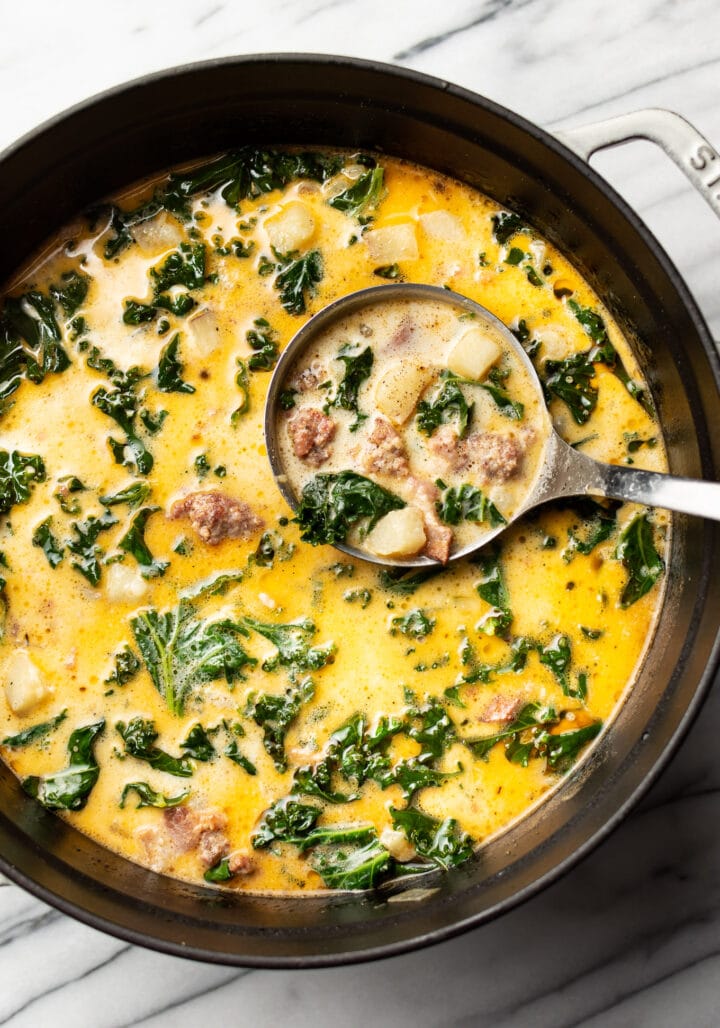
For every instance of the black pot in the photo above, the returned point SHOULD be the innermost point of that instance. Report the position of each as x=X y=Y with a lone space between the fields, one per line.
x=190 y=112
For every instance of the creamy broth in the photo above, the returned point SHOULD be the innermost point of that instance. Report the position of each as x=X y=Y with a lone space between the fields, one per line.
x=188 y=681
x=456 y=429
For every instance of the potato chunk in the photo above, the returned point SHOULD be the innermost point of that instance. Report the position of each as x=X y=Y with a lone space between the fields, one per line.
x=203 y=332
x=443 y=225
x=401 y=533
x=291 y=229
x=25 y=686
x=394 y=243
x=397 y=392
x=473 y=354
x=158 y=234
x=123 y=584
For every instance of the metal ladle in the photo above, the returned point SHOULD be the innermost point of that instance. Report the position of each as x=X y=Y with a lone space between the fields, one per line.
x=565 y=471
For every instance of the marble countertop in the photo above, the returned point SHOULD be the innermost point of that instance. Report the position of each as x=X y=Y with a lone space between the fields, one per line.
x=632 y=935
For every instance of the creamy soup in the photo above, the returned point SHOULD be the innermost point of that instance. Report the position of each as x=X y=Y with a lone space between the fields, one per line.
x=184 y=677
x=425 y=413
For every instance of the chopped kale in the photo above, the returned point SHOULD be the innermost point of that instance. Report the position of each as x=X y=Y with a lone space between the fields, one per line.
x=30 y=341
x=493 y=590
x=448 y=403
x=442 y=842
x=293 y=645
x=288 y=820
x=274 y=714
x=272 y=547
x=134 y=495
x=262 y=340
x=133 y=542
x=332 y=503
x=126 y=667
x=468 y=503
x=181 y=651
x=148 y=797
x=297 y=276
x=198 y=744
x=139 y=736
x=402 y=583
x=636 y=550
x=33 y=734
x=356 y=868
x=84 y=545
x=51 y=547
x=358 y=367
x=242 y=381
x=71 y=293
x=557 y=656
x=529 y=736
x=19 y=473
x=571 y=381
x=170 y=369
x=232 y=751
x=69 y=789
x=122 y=405
x=415 y=625
x=68 y=485
x=363 y=194
x=505 y=226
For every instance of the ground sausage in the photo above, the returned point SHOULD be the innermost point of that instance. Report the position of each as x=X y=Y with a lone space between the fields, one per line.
x=438 y=536
x=215 y=516
x=201 y=830
x=384 y=452
x=501 y=708
x=310 y=432
x=494 y=456
x=241 y=863
x=310 y=377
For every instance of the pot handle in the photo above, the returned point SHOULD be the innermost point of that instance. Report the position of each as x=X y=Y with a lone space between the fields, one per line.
x=690 y=150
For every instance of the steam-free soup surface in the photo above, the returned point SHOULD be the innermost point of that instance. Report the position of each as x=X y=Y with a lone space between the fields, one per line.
x=188 y=680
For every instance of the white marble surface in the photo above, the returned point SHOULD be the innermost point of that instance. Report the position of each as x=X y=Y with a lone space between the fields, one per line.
x=632 y=936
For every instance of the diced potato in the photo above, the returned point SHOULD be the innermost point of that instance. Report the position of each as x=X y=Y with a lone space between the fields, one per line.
x=443 y=225
x=397 y=392
x=291 y=229
x=203 y=332
x=124 y=584
x=25 y=686
x=397 y=845
x=158 y=234
x=473 y=354
x=401 y=533
x=394 y=243
x=555 y=343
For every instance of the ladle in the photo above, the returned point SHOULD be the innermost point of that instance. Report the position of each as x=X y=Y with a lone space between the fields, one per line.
x=565 y=471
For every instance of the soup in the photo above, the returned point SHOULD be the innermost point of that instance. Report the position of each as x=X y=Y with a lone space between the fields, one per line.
x=184 y=677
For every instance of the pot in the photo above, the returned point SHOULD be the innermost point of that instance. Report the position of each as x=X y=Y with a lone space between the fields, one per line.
x=147 y=125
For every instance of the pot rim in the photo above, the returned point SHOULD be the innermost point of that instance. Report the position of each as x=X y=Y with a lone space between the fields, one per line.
x=448 y=931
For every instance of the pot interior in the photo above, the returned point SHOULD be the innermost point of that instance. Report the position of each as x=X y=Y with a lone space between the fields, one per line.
x=177 y=116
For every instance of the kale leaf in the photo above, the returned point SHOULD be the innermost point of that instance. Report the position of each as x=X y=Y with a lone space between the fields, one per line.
x=139 y=736
x=275 y=713
x=332 y=503
x=506 y=225
x=19 y=473
x=296 y=277
x=51 y=547
x=170 y=368
x=493 y=590
x=34 y=733
x=287 y=820
x=356 y=868
x=133 y=542
x=447 y=404
x=30 y=341
x=468 y=503
x=416 y=624
x=402 y=583
x=198 y=744
x=571 y=381
x=364 y=193
x=71 y=293
x=122 y=405
x=262 y=340
x=636 y=549
x=134 y=495
x=126 y=666
x=293 y=645
x=70 y=789
x=442 y=842
x=182 y=651
x=84 y=545
x=528 y=736
x=148 y=797
x=358 y=367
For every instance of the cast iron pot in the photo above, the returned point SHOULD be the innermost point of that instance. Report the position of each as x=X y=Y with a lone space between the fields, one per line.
x=195 y=111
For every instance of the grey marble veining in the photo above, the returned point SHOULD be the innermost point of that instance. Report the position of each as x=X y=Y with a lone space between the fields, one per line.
x=631 y=936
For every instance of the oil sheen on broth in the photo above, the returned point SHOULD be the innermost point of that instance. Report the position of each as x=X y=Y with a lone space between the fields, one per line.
x=189 y=680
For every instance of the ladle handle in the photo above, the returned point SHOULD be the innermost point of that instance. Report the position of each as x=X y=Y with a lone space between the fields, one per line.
x=575 y=474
